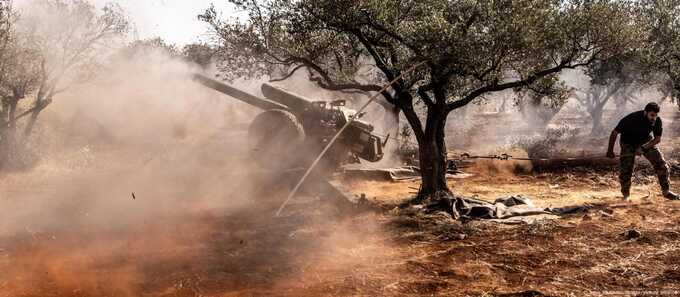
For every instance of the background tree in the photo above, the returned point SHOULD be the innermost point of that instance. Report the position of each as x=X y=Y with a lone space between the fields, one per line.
x=70 y=36
x=613 y=81
x=145 y=46
x=539 y=107
x=6 y=15
x=660 y=53
x=21 y=77
x=49 y=47
x=470 y=49
x=201 y=54
x=6 y=19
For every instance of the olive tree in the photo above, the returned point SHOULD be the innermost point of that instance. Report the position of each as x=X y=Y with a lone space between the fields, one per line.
x=201 y=54
x=6 y=16
x=69 y=36
x=6 y=19
x=469 y=49
x=145 y=46
x=614 y=81
x=46 y=48
x=21 y=77
x=539 y=108
x=660 y=53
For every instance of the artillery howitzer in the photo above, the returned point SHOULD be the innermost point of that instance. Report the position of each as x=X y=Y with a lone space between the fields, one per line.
x=292 y=130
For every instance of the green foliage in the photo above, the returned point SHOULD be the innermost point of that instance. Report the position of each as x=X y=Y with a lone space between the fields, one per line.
x=468 y=43
x=144 y=46
x=471 y=47
x=21 y=69
x=200 y=54
x=5 y=18
x=660 y=51
x=614 y=80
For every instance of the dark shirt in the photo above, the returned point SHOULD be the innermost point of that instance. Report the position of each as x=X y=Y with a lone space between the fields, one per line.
x=635 y=128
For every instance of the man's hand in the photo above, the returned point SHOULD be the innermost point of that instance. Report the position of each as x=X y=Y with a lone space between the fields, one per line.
x=652 y=143
x=610 y=154
x=610 y=147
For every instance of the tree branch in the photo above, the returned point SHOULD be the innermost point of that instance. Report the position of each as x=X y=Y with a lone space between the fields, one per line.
x=515 y=84
x=422 y=93
x=287 y=76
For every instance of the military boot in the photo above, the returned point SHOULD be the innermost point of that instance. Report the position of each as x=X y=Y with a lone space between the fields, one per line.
x=625 y=195
x=671 y=196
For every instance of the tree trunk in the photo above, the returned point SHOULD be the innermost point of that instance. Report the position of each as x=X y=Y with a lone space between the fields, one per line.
x=11 y=118
x=432 y=155
x=393 y=121
x=4 y=116
x=8 y=131
x=31 y=123
x=596 y=114
x=40 y=104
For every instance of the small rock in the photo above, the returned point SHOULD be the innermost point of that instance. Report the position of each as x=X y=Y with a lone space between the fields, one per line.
x=607 y=213
x=460 y=236
x=441 y=216
x=632 y=234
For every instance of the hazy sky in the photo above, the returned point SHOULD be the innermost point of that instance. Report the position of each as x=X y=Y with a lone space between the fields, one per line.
x=173 y=20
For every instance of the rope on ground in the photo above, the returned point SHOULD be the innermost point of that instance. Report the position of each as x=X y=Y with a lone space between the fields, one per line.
x=506 y=157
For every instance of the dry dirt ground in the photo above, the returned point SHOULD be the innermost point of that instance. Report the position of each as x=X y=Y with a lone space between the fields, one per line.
x=316 y=250
x=169 y=222
x=579 y=255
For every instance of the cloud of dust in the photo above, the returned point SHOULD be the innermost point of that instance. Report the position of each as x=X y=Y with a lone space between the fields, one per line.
x=145 y=187
x=502 y=168
x=127 y=162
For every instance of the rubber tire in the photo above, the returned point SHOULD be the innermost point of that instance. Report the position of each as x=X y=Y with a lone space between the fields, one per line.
x=276 y=138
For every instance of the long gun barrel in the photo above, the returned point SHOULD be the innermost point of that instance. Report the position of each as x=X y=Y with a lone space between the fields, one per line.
x=238 y=94
x=294 y=101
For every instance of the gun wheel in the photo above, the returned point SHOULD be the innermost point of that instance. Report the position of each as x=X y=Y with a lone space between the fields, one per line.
x=276 y=138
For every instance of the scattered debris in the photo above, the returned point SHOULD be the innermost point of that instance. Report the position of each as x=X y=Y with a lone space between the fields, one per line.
x=607 y=213
x=531 y=293
x=675 y=169
x=572 y=209
x=632 y=234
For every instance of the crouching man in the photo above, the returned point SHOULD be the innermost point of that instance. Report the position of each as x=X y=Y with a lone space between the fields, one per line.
x=636 y=131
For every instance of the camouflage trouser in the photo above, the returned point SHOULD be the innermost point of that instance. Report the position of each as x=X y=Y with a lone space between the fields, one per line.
x=654 y=156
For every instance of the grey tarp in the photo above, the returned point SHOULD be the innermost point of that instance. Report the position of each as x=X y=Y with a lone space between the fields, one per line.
x=506 y=208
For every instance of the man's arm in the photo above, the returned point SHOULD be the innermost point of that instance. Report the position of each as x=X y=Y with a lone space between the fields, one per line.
x=612 y=141
x=652 y=143
x=658 y=131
